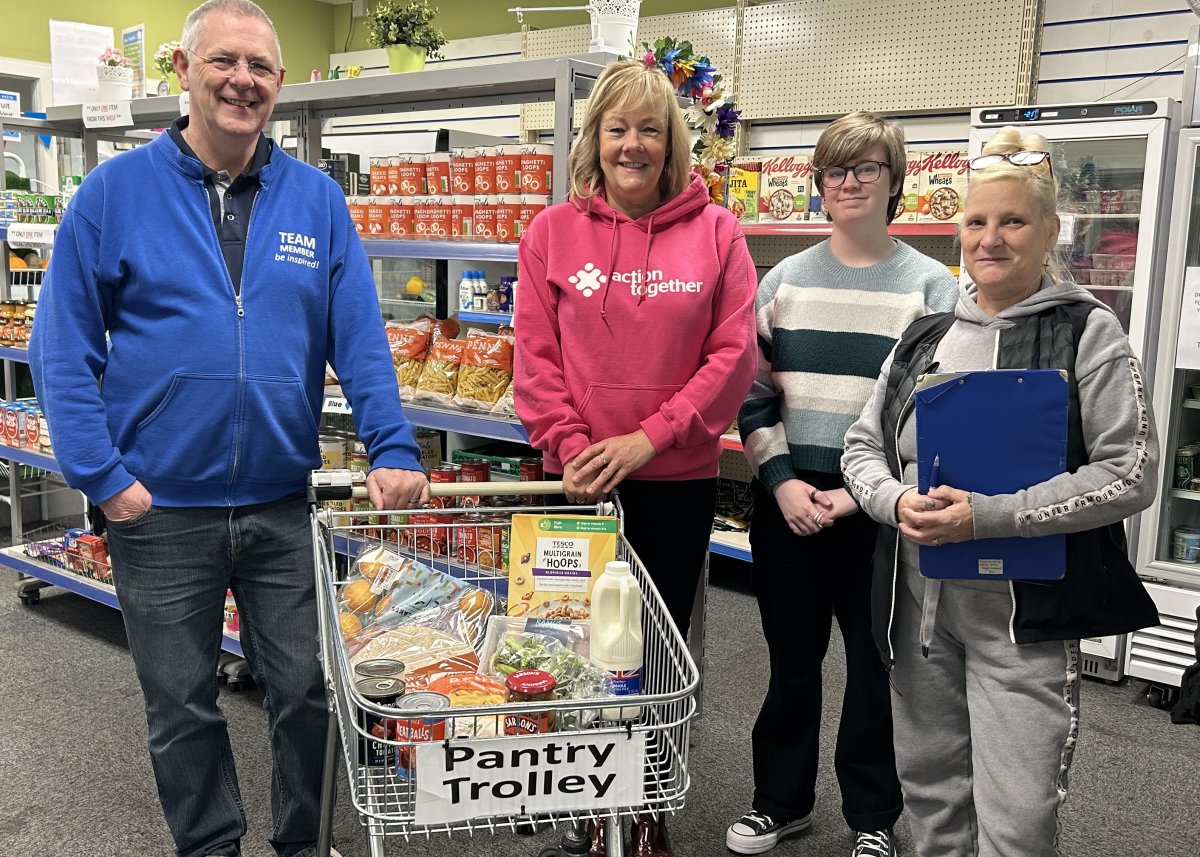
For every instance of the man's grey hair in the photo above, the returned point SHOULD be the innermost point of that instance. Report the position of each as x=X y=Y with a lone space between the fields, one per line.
x=195 y=21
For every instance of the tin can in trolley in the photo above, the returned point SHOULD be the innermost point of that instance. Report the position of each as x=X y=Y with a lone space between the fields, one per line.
x=474 y=471
x=429 y=727
x=466 y=538
x=373 y=749
x=1185 y=465
x=379 y=668
x=530 y=470
x=441 y=475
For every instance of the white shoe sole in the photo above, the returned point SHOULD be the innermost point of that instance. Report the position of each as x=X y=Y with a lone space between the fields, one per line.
x=741 y=844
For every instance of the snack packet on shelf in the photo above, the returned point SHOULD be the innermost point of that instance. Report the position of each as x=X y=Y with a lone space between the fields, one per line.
x=486 y=370
x=439 y=376
x=409 y=344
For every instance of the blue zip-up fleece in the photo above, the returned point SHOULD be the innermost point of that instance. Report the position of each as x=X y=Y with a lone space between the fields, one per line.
x=206 y=401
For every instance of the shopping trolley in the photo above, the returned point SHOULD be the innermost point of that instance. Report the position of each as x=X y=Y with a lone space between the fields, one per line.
x=453 y=780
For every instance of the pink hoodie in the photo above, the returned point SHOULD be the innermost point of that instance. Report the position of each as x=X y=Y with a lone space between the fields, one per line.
x=624 y=323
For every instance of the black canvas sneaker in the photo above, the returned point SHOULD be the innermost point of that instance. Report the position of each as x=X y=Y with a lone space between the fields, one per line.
x=876 y=843
x=755 y=832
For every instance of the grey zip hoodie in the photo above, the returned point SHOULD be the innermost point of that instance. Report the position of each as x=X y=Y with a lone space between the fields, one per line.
x=1120 y=478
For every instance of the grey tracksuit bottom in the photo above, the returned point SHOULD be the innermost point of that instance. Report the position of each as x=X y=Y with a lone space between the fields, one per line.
x=984 y=728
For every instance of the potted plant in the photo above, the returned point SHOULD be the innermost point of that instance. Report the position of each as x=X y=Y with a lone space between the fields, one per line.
x=405 y=30
x=164 y=62
x=115 y=76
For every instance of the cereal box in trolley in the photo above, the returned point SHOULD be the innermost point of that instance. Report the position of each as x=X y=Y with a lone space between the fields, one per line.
x=553 y=562
x=943 y=186
x=784 y=186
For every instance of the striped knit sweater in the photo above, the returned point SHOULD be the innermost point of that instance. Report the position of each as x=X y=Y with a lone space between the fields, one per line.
x=824 y=330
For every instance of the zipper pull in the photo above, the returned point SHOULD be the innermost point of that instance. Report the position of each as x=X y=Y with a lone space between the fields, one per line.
x=241 y=311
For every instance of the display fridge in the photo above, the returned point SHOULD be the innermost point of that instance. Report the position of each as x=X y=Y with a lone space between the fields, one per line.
x=1112 y=161
x=1169 y=555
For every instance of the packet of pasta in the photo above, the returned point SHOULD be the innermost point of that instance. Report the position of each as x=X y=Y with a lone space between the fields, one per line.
x=487 y=369
x=408 y=342
x=439 y=377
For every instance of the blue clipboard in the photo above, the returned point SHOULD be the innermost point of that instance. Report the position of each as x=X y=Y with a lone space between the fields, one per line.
x=993 y=432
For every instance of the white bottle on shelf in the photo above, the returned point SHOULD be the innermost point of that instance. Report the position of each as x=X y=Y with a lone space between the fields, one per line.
x=466 y=292
x=616 y=645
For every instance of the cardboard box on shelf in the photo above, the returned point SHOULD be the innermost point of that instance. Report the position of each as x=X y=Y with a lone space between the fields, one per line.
x=908 y=209
x=784 y=187
x=744 y=177
x=943 y=188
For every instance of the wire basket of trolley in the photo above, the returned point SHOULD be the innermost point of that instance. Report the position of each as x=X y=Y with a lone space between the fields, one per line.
x=482 y=658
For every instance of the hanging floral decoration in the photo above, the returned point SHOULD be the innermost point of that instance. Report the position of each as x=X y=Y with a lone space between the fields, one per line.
x=711 y=112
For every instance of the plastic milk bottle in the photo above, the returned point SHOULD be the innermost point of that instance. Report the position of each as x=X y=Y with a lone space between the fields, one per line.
x=617 y=634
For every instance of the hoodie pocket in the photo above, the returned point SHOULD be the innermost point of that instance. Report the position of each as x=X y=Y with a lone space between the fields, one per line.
x=186 y=438
x=280 y=440
x=616 y=409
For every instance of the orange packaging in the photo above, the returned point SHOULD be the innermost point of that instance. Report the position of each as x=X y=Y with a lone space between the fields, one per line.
x=508 y=212
x=412 y=175
x=393 y=176
x=439 y=216
x=907 y=209
x=943 y=186
x=531 y=204
x=462 y=171
x=400 y=218
x=485 y=217
x=462 y=216
x=379 y=176
x=437 y=172
x=485 y=169
x=537 y=168
x=508 y=169
x=377 y=219
x=358 y=214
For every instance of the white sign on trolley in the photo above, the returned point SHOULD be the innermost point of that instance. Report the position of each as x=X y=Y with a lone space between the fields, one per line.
x=556 y=772
x=1188 y=351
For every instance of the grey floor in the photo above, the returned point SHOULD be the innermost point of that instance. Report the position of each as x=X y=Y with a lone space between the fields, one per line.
x=75 y=780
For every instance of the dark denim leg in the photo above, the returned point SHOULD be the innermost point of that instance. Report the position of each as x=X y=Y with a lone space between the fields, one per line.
x=276 y=595
x=172 y=569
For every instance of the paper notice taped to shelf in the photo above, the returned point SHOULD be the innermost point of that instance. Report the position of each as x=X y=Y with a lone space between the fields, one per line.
x=107 y=114
x=1066 y=230
x=31 y=234
x=1187 y=355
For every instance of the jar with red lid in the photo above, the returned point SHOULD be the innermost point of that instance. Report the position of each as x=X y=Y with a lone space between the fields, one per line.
x=530 y=686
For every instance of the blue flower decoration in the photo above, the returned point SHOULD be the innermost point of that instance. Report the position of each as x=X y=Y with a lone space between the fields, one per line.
x=727 y=121
x=704 y=72
x=668 y=61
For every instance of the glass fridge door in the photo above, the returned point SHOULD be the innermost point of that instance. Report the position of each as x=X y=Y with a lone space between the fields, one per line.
x=1169 y=549
x=1110 y=177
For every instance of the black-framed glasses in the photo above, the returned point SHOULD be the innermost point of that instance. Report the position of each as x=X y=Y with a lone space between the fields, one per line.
x=866 y=173
x=229 y=65
x=1021 y=158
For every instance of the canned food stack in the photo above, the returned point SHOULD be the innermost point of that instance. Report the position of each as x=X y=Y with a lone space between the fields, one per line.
x=25 y=426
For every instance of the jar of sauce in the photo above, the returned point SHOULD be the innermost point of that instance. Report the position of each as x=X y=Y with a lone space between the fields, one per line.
x=530 y=686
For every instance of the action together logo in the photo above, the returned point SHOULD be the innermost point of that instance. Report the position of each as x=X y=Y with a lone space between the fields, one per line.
x=588 y=280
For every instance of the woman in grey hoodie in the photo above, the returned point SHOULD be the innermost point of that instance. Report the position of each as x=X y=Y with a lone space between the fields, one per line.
x=985 y=673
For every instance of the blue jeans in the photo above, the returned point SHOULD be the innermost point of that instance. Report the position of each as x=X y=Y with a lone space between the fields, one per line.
x=171 y=568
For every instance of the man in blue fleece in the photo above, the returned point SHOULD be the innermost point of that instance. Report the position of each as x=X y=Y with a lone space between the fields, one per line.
x=223 y=274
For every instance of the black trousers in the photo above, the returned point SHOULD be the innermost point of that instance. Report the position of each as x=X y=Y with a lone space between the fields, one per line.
x=668 y=523
x=802 y=582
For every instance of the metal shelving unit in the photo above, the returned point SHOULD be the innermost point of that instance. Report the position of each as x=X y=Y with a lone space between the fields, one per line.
x=474 y=251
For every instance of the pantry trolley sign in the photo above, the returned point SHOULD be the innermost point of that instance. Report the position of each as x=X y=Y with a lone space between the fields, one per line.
x=559 y=772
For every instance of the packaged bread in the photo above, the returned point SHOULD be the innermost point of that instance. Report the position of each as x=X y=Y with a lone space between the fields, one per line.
x=486 y=371
x=409 y=343
x=439 y=376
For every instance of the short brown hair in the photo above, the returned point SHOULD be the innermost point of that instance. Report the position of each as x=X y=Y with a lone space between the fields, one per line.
x=852 y=135
x=630 y=84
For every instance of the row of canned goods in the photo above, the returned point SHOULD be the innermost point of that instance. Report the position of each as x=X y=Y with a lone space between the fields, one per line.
x=510 y=168
x=503 y=217
x=25 y=426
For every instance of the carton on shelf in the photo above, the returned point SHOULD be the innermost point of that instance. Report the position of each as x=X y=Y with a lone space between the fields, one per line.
x=943 y=176
x=784 y=187
x=744 y=177
x=908 y=208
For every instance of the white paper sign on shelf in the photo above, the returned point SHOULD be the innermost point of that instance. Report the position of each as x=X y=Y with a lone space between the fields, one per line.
x=10 y=104
x=107 y=114
x=556 y=772
x=335 y=405
x=31 y=234
x=1066 y=231
x=1187 y=355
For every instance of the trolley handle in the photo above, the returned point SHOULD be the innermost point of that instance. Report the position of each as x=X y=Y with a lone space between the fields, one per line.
x=350 y=484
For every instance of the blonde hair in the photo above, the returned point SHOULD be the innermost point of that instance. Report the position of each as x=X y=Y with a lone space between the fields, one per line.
x=629 y=85
x=1037 y=179
x=851 y=136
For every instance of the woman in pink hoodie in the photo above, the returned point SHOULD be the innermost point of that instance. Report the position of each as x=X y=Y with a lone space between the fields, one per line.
x=635 y=328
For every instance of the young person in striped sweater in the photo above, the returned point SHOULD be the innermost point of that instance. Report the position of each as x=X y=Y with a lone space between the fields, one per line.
x=827 y=318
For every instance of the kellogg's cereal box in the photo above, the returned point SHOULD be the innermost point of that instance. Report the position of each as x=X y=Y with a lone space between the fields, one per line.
x=784 y=187
x=943 y=188
x=908 y=208
x=744 y=178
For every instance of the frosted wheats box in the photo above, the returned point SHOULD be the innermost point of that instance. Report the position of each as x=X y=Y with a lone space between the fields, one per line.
x=784 y=186
x=943 y=176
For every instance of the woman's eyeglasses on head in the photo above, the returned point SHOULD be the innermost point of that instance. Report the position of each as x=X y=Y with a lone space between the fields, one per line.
x=1021 y=158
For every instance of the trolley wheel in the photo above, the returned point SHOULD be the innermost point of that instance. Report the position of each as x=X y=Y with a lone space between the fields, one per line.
x=1162 y=696
x=30 y=598
x=236 y=685
x=552 y=851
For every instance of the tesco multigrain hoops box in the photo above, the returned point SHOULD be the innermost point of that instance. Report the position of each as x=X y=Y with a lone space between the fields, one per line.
x=943 y=189
x=784 y=185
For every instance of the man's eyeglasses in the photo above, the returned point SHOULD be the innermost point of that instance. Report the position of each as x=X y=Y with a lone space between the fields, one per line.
x=866 y=172
x=1022 y=158
x=229 y=65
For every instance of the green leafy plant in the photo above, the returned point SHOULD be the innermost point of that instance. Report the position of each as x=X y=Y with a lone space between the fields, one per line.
x=405 y=22
x=164 y=58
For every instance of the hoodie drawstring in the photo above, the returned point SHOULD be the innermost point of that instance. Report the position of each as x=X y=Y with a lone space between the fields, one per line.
x=612 y=261
x=646 y=260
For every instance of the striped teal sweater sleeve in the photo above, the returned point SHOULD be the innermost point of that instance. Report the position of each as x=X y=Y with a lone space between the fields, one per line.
x=824 y=330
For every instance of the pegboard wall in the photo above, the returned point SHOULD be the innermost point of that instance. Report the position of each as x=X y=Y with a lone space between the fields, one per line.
x=769 y=250
x=828 y=57
x=712 y=32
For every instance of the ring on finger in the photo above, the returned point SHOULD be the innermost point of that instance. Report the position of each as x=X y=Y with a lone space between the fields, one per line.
x=937 y=543
x=604 y=461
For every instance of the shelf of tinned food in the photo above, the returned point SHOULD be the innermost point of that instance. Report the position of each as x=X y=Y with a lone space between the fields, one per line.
x=15 y=559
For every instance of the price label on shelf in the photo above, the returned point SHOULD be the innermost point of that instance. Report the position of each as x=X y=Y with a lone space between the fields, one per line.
x=31 y=234
x=335 y=405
